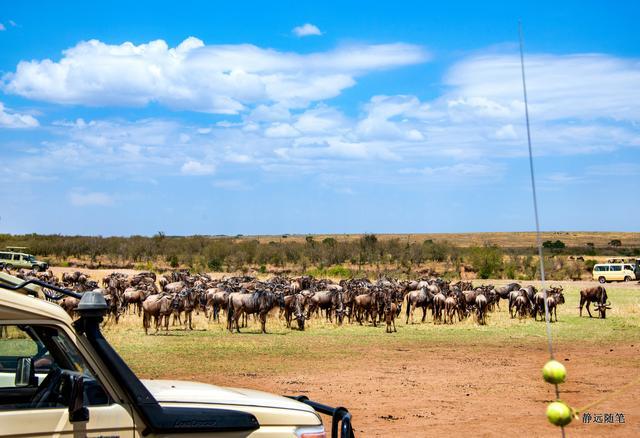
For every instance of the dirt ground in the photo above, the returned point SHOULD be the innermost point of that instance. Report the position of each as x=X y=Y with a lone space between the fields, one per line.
x=479 y=392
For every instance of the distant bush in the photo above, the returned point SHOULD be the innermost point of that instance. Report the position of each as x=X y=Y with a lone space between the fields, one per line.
x=486 y=260
x=557 y=245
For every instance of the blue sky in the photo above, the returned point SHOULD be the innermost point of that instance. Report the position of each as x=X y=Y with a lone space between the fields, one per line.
x=266 y=118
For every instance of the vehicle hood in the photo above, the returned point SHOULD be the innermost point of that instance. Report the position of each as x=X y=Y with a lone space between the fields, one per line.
x=176 y=391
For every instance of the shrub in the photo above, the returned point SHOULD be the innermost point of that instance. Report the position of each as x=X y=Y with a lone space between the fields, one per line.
x=486 y=260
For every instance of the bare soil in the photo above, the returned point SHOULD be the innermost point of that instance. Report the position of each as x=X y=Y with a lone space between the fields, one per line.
x=480 y=391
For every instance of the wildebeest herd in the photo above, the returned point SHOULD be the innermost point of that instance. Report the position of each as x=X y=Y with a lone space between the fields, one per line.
x=175 y=296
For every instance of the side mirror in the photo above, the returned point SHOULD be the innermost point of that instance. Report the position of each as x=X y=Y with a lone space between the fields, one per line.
x=25 y=373
x=77 y=411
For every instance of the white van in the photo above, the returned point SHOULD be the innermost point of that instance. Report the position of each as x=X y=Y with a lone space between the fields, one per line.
x=605 y=272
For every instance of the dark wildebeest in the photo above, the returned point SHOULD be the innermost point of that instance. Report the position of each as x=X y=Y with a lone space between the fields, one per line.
x=597 y=295
x=390 y=313
x=521 y=306
x=294 y=307
x=481 y=309
x=552 y=304
x=330 y=301
x=422 y=298
x=503 y=291
x=438 y=307
x=450 y=308
x=259 y=303
x=217 y=299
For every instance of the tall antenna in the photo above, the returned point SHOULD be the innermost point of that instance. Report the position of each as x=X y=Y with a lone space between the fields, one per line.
x=535 y=206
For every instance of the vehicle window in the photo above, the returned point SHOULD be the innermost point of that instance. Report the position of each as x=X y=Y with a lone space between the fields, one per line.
x=16 y=257
x=616 y=268
x=55 y=359
x=4 y=256
x=628 y=268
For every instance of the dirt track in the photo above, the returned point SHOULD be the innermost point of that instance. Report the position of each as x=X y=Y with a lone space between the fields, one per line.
x=481 y=391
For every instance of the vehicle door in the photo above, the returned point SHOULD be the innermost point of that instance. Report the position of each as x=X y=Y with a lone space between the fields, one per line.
x=615 y=273
x=37 y=366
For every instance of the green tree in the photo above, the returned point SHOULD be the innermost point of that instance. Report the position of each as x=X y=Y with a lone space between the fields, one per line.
x=486 y=260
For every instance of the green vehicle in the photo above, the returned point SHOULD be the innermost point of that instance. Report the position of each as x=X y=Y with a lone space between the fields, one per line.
x=13 y=257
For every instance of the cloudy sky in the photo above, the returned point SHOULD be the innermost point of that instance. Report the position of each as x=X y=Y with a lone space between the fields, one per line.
x=265 y=118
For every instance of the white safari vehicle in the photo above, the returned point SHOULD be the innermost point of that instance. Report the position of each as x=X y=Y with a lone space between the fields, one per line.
x=60 y=377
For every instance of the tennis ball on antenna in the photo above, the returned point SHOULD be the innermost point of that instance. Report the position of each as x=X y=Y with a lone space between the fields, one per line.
x=559 y=413
x=554 y=372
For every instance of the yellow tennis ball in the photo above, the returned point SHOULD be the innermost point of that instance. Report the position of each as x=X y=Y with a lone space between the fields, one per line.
x=559 y=413
x=554 y=372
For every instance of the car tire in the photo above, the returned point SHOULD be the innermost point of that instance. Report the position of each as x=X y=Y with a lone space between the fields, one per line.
x=602 y=280
x=8 y=266
x=627 y=279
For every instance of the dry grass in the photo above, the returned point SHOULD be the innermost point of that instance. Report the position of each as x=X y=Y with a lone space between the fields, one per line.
x=502 y=239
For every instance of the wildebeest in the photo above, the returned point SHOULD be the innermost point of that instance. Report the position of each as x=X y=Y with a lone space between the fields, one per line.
x=552 y=304
x=503 y=291
x=390 y=313
x=481 y=309
x=422 y=298
x=597 y=295
x=330 y=301
x=521 y=306
x=156 y=307
x=450 y=308
x=259 y=302
x=438 y=307
x=294 y=307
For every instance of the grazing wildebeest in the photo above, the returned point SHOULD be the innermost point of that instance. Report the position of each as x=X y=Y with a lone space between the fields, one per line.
x=597 y=295
x=259 y=302
x=294 y=307
x=157 y=307
x=481 y=309
x=418 y=298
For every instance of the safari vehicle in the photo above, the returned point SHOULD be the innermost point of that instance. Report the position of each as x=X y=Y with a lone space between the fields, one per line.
x=59 y=376
x=13 y=258
x=604 y=272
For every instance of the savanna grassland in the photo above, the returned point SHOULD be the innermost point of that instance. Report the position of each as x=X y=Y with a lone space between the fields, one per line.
x=424 y=380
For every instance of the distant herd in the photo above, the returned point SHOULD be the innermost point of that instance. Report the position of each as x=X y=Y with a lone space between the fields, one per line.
x=176 y=295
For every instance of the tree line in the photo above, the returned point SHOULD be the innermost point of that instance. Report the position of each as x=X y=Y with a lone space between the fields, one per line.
x=336 y=256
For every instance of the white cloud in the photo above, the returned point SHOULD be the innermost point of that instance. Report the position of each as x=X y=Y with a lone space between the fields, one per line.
x=220 y=79
x=11 y=119
x=83 y=199
x=197 y=168
x=306 y=29
x=584 y=86
x=281 y=130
